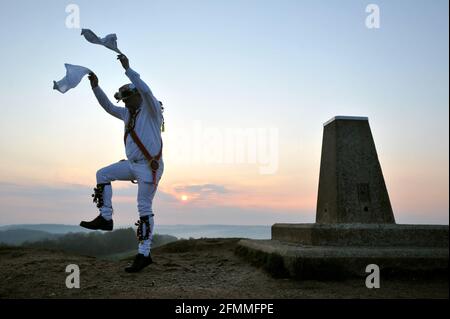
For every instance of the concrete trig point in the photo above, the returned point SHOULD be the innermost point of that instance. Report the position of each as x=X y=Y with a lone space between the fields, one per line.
x=355 y=225
x=351 y=184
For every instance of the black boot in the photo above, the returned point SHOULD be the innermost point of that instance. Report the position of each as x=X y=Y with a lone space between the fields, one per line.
x=140 y=262
x=99 y=223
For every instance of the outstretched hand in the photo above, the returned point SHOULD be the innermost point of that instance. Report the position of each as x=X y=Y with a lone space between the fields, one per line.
x=94 y=79
x=124 y=60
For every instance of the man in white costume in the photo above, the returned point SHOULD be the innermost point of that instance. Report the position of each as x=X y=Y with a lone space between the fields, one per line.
x=142 y=116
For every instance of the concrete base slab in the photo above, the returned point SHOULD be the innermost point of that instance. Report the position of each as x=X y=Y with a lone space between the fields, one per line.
x=328 y=262
x=373 y=235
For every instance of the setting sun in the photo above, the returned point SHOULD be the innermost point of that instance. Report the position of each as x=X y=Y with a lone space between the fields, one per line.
x=184 y=198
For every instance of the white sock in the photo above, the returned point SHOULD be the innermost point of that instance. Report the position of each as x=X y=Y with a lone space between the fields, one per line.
x=106 y=214
x=144 y=247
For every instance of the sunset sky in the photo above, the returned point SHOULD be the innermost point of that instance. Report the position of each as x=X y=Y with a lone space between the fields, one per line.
x=246 y=85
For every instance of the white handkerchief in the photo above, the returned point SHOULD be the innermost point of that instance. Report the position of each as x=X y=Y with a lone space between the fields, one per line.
x=74 y=74
x=110 y=41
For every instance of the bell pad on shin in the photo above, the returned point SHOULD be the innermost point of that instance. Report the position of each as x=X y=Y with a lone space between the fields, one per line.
x=98 y=194
x=143 y=230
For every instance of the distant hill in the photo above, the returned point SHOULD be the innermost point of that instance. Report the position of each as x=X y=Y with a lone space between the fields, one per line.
x=84 y=243
x=49 y=228
x=19 y=236
x=98 y=243
x=179 y=231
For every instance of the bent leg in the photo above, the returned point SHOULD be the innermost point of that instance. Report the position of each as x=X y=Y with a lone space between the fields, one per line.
x=120 y=171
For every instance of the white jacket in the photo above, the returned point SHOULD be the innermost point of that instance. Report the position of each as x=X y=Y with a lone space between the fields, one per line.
x=147 y=127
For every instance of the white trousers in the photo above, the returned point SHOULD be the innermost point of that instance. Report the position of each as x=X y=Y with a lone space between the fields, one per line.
x=128 y=171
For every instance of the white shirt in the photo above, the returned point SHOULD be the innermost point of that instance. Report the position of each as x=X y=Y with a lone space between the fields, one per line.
x=148 y=121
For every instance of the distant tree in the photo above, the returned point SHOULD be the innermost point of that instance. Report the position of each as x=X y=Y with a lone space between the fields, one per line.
x=97 y=243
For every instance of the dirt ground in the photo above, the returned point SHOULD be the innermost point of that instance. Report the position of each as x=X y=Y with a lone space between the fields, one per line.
x=202 y=268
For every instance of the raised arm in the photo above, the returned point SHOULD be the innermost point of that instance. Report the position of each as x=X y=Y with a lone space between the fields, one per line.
x=142 y=87
x=103 y=100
